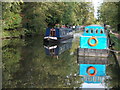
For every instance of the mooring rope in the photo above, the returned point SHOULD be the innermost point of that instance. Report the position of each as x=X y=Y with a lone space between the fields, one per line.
x=114 y=51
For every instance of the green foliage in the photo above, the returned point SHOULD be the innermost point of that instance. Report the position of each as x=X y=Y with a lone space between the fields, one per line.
x=36 y=16
x=11 y=55
x=109 y=14
x=116 y=41
x=13 y=33
x=11 y=20
x=11 y=15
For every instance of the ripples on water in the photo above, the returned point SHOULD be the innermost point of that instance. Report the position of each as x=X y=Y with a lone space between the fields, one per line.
x=28 y=63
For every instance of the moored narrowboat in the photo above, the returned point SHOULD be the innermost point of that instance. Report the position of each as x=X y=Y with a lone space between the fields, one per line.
x=58 y=34
x=94 y=41
x=79 y=28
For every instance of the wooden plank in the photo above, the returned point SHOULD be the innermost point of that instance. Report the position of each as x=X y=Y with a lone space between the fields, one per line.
x=93 y=52
x=92 y=60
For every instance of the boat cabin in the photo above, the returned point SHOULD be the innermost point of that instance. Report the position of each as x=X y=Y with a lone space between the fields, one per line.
x=55 y=34
x=94 y=30
x=94 y=37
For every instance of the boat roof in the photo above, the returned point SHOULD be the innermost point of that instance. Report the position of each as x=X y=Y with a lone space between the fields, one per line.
x=94 y=30
x=95 y=26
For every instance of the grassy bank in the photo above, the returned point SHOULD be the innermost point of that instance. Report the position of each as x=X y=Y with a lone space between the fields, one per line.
x=116 y=41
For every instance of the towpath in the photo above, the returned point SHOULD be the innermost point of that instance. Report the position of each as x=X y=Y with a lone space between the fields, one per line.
x=117 y=55
x=116 y=34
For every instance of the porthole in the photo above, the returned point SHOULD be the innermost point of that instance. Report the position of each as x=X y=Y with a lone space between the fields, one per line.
x=86 y=30
x=101 y=31
x=91 y=30
x=96 y=30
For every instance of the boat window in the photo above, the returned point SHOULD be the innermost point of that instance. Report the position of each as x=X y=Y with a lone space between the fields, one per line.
x=52 y=32
x=91 y=30
x=86 y=30
x=101 y=31
x=96 y=30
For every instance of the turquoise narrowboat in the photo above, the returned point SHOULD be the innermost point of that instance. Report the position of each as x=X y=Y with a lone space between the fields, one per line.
x=58 y=34
x=94 y=41
x=94 y=37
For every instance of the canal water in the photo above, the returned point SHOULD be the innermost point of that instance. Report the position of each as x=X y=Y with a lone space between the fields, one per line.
x=30 y=63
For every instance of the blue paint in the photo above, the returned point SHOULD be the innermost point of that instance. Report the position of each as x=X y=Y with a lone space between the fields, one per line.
x=47 y=32
x=57 y=49
x=101 y=69
x=49 y=52
x=102 y=42
x=91 y=71
x=96 y=31
x=99 y=33
x=59 y=32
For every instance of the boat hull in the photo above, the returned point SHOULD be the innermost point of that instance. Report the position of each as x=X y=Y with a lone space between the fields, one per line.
x=93 y=52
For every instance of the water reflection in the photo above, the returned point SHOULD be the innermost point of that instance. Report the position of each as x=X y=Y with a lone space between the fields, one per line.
x=92 y=71
x=26 y=64
x=113 y=70
x=99 y=76
x=55 y=50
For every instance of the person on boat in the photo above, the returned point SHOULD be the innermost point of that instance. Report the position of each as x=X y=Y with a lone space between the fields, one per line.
x=105 y=26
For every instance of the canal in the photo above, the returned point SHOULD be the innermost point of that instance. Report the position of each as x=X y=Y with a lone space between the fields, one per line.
x=29 y=63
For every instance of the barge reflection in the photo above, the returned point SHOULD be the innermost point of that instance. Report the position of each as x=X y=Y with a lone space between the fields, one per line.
x=55 y=49
x=92 y=70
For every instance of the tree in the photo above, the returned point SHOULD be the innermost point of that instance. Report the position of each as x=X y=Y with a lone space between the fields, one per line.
x=108 y=13
x=35 y=17
x=11 y=15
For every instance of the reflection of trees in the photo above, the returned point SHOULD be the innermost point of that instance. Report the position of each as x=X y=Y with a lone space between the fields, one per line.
x=73 y=81
x=113 y=72
x=37 y=70
x=11 y=55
